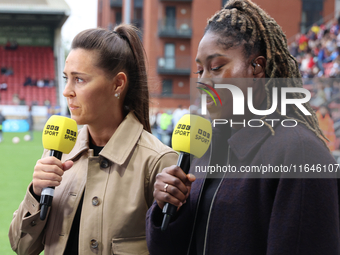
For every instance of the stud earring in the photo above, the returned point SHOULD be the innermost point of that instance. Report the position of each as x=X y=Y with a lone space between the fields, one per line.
x=117 y=95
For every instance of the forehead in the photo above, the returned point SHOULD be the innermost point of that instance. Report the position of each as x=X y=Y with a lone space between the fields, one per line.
x=212 y=44
x=81 y=60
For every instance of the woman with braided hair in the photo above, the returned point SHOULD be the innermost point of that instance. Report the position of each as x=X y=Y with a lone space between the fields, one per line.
x=233 y=212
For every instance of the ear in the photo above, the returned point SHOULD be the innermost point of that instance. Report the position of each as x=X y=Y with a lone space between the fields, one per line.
x=120 y=82
x=259 y=65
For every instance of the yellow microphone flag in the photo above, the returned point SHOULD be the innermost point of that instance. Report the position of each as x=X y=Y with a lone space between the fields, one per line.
x=192 y=135
x=60 y=134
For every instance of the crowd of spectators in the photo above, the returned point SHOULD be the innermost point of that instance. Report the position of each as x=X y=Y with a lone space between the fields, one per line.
x=6 y=71
x=318 y=55
x=317 y=51
x=38 y=82
x=11 y=45
x=164 y=122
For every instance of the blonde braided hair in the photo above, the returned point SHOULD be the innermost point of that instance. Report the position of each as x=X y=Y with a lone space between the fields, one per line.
x=245 y=23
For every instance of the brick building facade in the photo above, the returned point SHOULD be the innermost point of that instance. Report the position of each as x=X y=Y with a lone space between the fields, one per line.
x=172 y=31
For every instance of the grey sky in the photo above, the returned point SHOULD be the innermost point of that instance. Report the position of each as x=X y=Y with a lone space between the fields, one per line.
x=83 y=16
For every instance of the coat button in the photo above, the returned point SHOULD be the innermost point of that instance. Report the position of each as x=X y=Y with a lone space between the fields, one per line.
x=94 y=244
x=33 y=223
x=104 y=163
x=95 y=201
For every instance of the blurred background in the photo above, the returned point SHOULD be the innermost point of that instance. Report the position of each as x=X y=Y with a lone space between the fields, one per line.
x=35 y=38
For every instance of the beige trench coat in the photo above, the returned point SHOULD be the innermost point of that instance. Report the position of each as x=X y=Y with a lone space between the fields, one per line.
x=118 y=193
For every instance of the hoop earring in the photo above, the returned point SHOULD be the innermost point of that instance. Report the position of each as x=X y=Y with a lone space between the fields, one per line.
x=117 y=95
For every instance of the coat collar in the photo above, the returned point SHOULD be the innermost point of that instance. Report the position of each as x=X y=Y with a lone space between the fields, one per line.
x=120 y=144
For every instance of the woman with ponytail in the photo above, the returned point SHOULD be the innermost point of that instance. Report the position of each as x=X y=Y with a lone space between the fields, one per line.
x=100 y=202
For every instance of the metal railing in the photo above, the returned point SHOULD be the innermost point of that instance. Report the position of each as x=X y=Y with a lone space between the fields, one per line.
x=178 y=65
x=175 y=28
x=116 y=3
x=174 y=96
x=177 y=0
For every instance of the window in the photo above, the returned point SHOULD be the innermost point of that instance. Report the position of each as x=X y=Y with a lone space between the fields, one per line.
x=138 y=17
x=169 y=55
x=118 y=17
x=167 y=88
x=311 y=13
x=170 y=21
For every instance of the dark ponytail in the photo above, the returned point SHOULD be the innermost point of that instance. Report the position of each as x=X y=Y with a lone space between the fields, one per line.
x=137 y=96
x=121 y=50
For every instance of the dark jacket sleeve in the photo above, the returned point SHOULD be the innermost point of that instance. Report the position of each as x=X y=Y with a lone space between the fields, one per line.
x=305 y=214
x=174 y=240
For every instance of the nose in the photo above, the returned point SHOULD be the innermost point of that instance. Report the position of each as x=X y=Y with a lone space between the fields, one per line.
x=205 y=75
x=68 y=90
x=205 y=78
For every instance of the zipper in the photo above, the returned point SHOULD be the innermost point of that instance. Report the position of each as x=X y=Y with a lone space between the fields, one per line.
x=198 y=202
x=212 y=202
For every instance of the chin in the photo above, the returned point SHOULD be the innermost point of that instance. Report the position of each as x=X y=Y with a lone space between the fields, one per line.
x=220 y=113
x=77 y=119
x=215 y=114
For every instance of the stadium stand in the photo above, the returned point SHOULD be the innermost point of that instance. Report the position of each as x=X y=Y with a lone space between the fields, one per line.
x=27 y=61
x=317 y=53
x=31 y=53
x=34 y=26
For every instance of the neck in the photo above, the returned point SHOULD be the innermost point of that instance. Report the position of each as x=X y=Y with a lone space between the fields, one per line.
x=101 y=133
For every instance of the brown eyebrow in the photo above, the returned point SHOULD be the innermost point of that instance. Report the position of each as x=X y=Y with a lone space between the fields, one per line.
x=75 y=73
x=211 y=57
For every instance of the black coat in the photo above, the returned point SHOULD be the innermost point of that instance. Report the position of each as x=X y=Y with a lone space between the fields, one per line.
x=271 y=215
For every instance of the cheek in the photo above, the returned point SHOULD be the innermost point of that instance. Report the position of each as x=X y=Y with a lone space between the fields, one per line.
x=103 y=97
x=237 y=70
x=90 y=101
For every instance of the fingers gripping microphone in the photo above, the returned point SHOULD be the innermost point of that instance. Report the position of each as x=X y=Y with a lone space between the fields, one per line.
x=59 y=136
x=191 y=136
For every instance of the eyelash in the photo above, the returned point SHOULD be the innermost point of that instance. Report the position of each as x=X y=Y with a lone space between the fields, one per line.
x=216 y=68
x=212 y=69
x=77 y=79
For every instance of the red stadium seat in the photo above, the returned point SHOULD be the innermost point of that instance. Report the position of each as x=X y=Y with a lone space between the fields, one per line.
x=36 y=62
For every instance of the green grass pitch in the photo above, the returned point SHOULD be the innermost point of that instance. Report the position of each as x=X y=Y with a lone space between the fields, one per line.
x=17 y=162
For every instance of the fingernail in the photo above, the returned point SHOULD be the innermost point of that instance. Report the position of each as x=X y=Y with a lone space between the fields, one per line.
x=184 y=202
x=192 y=176
x=180 y=204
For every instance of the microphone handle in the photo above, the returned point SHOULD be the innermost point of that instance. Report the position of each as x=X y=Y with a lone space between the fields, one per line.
x=169 y=210
x=47 y=193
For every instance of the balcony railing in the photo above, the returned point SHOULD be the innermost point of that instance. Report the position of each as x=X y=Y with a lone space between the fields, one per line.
x=177 y=0
x=174 y=28
x=138 y=3
x=179 y=65
x=174 y=96
x=116 y=3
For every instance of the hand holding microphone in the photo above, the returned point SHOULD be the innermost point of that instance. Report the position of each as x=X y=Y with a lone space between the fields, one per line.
x=191 y=137
x=59 y=136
